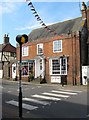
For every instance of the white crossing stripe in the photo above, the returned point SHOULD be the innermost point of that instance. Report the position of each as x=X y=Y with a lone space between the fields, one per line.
x=25 y=106
x=46 y=97
x=8 y=91
x=56 y=95
x=36 y=101
x=39 y=86
x=69 y=90
x=12 y=102
x=68 y=93
x=1 y=86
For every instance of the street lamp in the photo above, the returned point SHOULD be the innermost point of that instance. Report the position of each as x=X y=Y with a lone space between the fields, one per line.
x=21 y=39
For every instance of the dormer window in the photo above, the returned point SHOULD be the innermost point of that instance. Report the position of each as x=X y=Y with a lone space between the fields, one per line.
x=39 y=49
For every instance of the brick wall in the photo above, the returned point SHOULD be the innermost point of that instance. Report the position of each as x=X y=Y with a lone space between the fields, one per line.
x=70 y=47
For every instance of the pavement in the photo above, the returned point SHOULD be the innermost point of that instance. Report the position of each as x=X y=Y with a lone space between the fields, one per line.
x=69 y=86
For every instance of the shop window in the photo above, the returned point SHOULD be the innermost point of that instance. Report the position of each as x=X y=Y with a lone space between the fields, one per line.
x=27 y=68
x=58 y=66
x=55 y=67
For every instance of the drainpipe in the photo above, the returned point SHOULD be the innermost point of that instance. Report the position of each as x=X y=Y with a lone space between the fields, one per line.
x=75 y=82
x=80 y=59
x=72 y=63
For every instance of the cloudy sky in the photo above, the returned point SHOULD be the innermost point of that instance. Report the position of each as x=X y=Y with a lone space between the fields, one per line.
x=17 y=18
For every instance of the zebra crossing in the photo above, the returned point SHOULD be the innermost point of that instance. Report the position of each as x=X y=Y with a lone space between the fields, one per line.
x=25 y=106
x=36 y=101
x=44 y=99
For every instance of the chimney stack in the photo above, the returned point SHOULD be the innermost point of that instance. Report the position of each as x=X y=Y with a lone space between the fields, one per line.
x=6 y=39
x=84 y=8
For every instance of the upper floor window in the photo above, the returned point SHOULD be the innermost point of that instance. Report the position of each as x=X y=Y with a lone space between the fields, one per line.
x=39 y=49
x=13 y=54
x=57 y=46
x=25 y=51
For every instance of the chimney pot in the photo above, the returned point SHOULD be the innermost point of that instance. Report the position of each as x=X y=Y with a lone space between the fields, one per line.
x=84 y=6
x=6 y=39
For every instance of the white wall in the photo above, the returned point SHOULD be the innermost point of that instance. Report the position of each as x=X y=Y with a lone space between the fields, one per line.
x=1 y=73
x=84 y=75
x=13 y=71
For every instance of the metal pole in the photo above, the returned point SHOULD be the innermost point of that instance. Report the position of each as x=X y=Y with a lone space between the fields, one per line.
x=20 y=87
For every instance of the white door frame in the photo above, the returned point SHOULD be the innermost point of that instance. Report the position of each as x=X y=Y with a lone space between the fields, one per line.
x=13 y=70
x=39 y=72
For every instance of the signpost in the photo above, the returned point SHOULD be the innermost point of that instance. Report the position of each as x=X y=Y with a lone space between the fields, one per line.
x=21 y=39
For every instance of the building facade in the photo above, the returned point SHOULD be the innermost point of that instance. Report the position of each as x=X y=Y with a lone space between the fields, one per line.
x=59 y=57
x=7 y=57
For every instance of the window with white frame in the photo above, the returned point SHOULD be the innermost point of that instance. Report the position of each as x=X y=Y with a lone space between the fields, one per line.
x=25 y=51
x=57 y=46
x=63 y=62
x=58 y=66
x=39 y=49
x=55 y=67
x=26 y=68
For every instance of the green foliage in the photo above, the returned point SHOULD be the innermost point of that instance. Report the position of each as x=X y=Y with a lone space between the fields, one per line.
x=31 y=77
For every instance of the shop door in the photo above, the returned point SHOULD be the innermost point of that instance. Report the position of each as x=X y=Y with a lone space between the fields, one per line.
x=13 y=71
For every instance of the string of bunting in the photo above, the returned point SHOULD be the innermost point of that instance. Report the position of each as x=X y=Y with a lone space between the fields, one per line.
x=38 y=17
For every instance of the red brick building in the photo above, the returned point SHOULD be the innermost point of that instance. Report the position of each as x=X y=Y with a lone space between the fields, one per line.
x=57 y=57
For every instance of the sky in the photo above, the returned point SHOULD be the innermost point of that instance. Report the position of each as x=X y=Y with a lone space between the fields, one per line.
x=16 y=18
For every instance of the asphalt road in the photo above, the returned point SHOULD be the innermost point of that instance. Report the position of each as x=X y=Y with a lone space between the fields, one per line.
x=44 y=101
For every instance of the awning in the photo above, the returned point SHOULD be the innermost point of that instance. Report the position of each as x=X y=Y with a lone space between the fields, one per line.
x=30 y=61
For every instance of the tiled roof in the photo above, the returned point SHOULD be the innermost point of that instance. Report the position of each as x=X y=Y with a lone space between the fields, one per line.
x=60 y=28
x=7 y=48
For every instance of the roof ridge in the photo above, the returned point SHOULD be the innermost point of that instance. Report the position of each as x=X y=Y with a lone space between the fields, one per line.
x=60 y=22
x=59 y=27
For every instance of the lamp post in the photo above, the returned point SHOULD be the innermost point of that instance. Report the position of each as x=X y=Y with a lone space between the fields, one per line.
x=21 y=39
